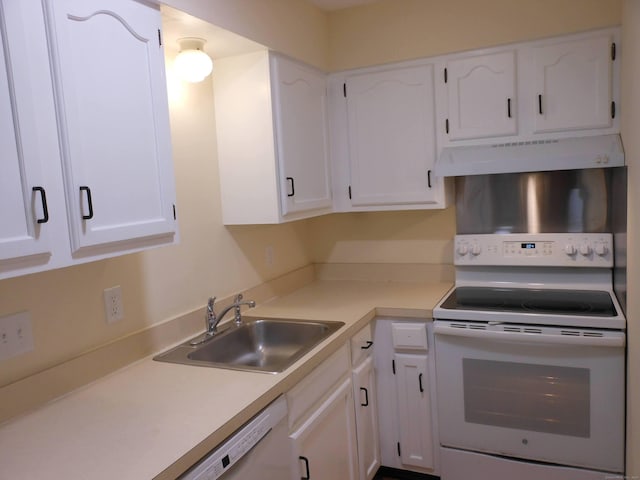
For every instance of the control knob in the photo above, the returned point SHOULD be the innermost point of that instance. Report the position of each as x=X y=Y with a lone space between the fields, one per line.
x=570 y=249
x=585 y=249
x=475 y=249
x=463 y=249
x=601 y=249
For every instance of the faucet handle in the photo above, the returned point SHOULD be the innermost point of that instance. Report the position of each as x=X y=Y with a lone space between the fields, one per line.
x=238 y=298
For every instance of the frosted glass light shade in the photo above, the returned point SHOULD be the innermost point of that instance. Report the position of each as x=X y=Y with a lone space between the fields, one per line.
x=192 y=64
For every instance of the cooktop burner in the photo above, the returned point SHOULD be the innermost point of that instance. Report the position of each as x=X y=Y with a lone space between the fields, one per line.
x=527 y=300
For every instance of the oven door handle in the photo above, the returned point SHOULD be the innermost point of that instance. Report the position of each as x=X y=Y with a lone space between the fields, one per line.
x=610 y=339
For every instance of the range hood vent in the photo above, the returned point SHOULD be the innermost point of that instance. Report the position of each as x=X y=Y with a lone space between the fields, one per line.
x=532 y=156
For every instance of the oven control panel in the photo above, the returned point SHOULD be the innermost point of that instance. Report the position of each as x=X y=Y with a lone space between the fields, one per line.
x=529 y=249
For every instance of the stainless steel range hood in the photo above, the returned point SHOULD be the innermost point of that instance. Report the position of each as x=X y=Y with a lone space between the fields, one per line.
x=533 y=156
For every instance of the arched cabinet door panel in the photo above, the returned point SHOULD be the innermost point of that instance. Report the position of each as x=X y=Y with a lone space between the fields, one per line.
x=113 y=119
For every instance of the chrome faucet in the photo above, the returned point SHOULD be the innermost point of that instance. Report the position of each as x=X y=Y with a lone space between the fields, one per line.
x=212 y=319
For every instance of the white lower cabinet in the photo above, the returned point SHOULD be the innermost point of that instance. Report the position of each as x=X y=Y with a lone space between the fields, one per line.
x=365 y=403
x=364 y=387
x=322 y=425
x=414 y=410
x=325 y=444
x=406 y=395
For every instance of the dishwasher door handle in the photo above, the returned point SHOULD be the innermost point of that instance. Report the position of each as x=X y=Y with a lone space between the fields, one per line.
x=306 y=467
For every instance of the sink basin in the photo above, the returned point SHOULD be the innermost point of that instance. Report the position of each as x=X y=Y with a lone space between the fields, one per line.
x=264 y=345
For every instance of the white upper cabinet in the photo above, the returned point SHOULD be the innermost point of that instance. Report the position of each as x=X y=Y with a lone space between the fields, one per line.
x=546 y=89
x=272 y=139
x=300 y=107
x=84 y=132
x=573 y=84
x=481 y=96
x=24 y=233
x=391 y=137
x=113 y=118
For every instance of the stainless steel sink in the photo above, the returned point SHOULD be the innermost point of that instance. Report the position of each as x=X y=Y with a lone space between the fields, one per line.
x=264 y=345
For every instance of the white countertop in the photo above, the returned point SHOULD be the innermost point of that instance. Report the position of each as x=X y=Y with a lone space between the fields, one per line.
x=154 y=419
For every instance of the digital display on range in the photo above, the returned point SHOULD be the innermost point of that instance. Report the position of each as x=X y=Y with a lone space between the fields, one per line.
x=528 y=245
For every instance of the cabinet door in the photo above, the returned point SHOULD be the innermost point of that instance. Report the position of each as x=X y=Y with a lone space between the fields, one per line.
x=27 y=137
x=573 y=82
x=364 y=388
x=391 y=130
x=300 y=109
x=414 y=410
x=324 y=447
x=113 y=117
x=481 y=96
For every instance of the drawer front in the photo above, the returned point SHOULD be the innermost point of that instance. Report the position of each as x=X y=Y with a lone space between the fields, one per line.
x=410 y=336
x=361 y=345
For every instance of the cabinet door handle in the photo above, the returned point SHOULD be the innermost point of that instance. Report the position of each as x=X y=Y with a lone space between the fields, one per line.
x=420 y=383
x=293 y=187
x=306 y=467
x=89 y=203
x=429 y=178
x=366 y=397
x=509 y=107
x=367 y=346
x=540 y=104
x=43 y=199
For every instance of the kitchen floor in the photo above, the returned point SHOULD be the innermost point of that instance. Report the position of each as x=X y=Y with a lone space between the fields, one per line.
x=386 y=473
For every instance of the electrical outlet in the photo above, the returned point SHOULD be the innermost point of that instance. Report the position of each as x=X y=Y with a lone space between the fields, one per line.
x=16 y=336
x=113 y=307
x=268 y=256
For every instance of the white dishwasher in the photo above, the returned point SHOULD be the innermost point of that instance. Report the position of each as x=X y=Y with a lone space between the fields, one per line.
x=259 y=450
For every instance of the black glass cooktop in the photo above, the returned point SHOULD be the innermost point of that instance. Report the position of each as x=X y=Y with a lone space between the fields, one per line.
x=526 y=300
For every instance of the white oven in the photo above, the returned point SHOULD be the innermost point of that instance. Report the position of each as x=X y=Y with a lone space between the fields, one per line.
x=543 y=393
x=530 y=359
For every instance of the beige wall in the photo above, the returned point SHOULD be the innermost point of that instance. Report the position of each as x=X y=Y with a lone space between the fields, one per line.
x=384 y=237
x=392 y=30
x=396 y=30
x=631 y=141
x=66 y=304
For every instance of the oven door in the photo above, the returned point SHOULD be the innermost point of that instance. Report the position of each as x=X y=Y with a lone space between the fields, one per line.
x=549 y=394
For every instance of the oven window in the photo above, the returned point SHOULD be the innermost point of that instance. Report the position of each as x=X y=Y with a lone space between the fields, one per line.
x=540 y=398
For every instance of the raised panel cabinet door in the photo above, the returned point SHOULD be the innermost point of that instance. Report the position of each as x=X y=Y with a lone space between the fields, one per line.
x=414 y=410
x=365 y=395
x=300 y=110
x=27 y=137
x=324 y=447
x=573 y=82
x=391 y=132
x=481 y=96
x=113 y=118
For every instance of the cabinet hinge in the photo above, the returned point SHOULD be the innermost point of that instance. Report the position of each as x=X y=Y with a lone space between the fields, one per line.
x=613 y=51
x=613 y=109
x=344 y=89
x=349 y=192
x=159 y=38
x=174 y=211
x=393 y=366
x=399 y=454
x=446 y=125
x=446 y=76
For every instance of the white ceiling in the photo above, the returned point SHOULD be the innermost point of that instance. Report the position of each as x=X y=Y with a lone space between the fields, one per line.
x=339 y=4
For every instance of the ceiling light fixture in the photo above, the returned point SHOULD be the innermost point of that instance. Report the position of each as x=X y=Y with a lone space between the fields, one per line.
x=192 y=63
